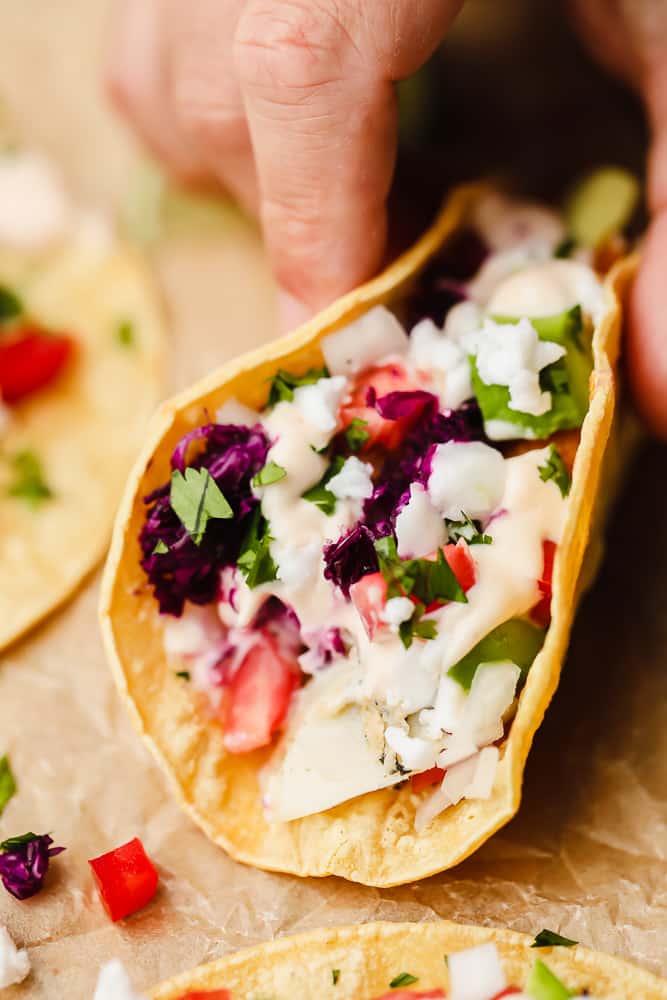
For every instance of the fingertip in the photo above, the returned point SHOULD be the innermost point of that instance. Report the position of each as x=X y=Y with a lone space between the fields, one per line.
x=291 y=311
x=647 y=330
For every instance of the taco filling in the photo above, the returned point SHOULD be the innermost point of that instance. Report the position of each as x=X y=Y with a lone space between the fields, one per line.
x=358 y=576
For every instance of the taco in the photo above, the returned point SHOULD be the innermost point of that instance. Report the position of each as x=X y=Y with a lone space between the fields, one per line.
x=344 y=571
x=381 y=961
x=80 y=365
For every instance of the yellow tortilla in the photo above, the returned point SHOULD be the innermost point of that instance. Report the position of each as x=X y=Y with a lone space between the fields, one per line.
x=370 y=839
x=84 y=428
x=369 y=956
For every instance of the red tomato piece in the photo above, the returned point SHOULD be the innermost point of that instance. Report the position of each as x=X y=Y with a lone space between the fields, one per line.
x=369 y=596
x=258 y=696
x=507 y=992
x=426 y=778
x=207 y=995
x=411 y=995
x=541 y=613
x=384 y=379
x=31 y=361
x=126 y=878
x=461 y=563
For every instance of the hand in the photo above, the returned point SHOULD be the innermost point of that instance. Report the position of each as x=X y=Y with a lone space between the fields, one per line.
x=290 y=105
x=630 y=37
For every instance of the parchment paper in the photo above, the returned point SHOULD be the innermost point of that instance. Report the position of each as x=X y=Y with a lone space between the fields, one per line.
x=587 y=854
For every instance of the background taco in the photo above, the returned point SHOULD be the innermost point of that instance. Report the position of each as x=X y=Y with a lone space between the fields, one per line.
x=371 y=838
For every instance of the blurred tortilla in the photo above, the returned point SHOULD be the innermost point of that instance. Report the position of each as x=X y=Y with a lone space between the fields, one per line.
x=369 y=956
x=369 y=839
x=85 y=428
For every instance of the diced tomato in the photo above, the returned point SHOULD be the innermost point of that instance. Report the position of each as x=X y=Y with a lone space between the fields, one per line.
x=507 y=992
x=126 y=878
x=426 y=778
x=369 y=596
x=258 y=696
x=207 y=995
x=541 y=613
x=461 y=563
x=385 y=379
x=411 y=995
x=31 y=361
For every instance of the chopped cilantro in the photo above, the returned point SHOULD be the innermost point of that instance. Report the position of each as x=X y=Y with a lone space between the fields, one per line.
x=416 y=627
x=271 y=473
x=183 y=674
x=429 y=580
x=10 y=304
x=284 y=383
x=548 y=939
x=255 y=561
x=160 y=548
x=357 y=434
x=565 y=247
x=555 y=468
x=7 y=782
x=12 y=842
x=195 y=498
x=29 y=484
x=125 y=333
x=467 y=529
x=403 y=979
x=335 y=976
x=319 y=494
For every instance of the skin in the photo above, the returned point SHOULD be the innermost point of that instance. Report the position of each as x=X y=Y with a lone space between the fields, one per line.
x=290 y=106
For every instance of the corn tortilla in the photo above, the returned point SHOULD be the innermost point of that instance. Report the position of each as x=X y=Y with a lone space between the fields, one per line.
x=84 y=428
x=370 y=839
x=369 y=956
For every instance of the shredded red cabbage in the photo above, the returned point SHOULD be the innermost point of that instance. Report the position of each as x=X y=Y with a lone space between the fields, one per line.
x=24 y=862
x=280 y=620
x=233 y=455
x=442 y=284
x=324 y=645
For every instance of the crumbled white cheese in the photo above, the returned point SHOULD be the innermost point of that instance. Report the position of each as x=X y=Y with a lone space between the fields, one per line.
x=296 y=564
x=444 y=360
x=465 y=317
x=353 y=482
x=476 y=973
x=420 y=528
x=397 y=610
x=14 y=962
x=466 y=477
x=34 y=207
x=549 y=288
x=413 y=752
x=505 y=430
x=233 y=412
x=513 y=355
x=362 y=343
x=319 y=403
x=114 y=983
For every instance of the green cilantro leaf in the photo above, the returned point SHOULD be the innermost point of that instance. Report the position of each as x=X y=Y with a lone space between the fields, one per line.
x=284 y=383
x=196 y=498
x=271 y=473
x=415 y=626
x=467 y=529
x=549 y=939
x=183 y=674
x=335 y=976
x=555 y=468
x=404 y=979
x=125 y=333
x=357 y=434
x=319 y=494
x=29 y=483
x=7 y=783
x=565 y=247
x=10 y=304
x=255 y=560
x=12 y=842
x=160 y=548
x=429 y=580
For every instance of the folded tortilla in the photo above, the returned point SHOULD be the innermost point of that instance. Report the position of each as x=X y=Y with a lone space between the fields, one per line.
x=84 y=427
x=370 y=839
x=370 y=956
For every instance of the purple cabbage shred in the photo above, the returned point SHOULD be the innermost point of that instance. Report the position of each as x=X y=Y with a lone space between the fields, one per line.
x=232 y=455
x=24 y=862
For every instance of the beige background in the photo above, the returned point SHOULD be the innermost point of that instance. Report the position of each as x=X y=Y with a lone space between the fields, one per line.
x=587 y=854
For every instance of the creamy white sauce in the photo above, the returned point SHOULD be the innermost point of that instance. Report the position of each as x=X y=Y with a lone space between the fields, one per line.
x=114 y=983
x=548 y=289
x=14 y=962
x=35 y=209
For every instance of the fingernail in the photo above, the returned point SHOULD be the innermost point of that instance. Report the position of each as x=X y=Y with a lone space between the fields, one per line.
x=291 y=311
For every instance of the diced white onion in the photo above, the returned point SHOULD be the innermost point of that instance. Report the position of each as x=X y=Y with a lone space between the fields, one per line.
x=363 y=342
x=458 y=778
x=319 y=403
x=420 y=528
x=466 y=477
x=476 y=973
x=353 y=482
x=485 y=773
x=114 y=983
x=14 y=962
x=430 y=808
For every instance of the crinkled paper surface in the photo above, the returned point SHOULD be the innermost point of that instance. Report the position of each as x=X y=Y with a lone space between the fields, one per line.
x=587 y=854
